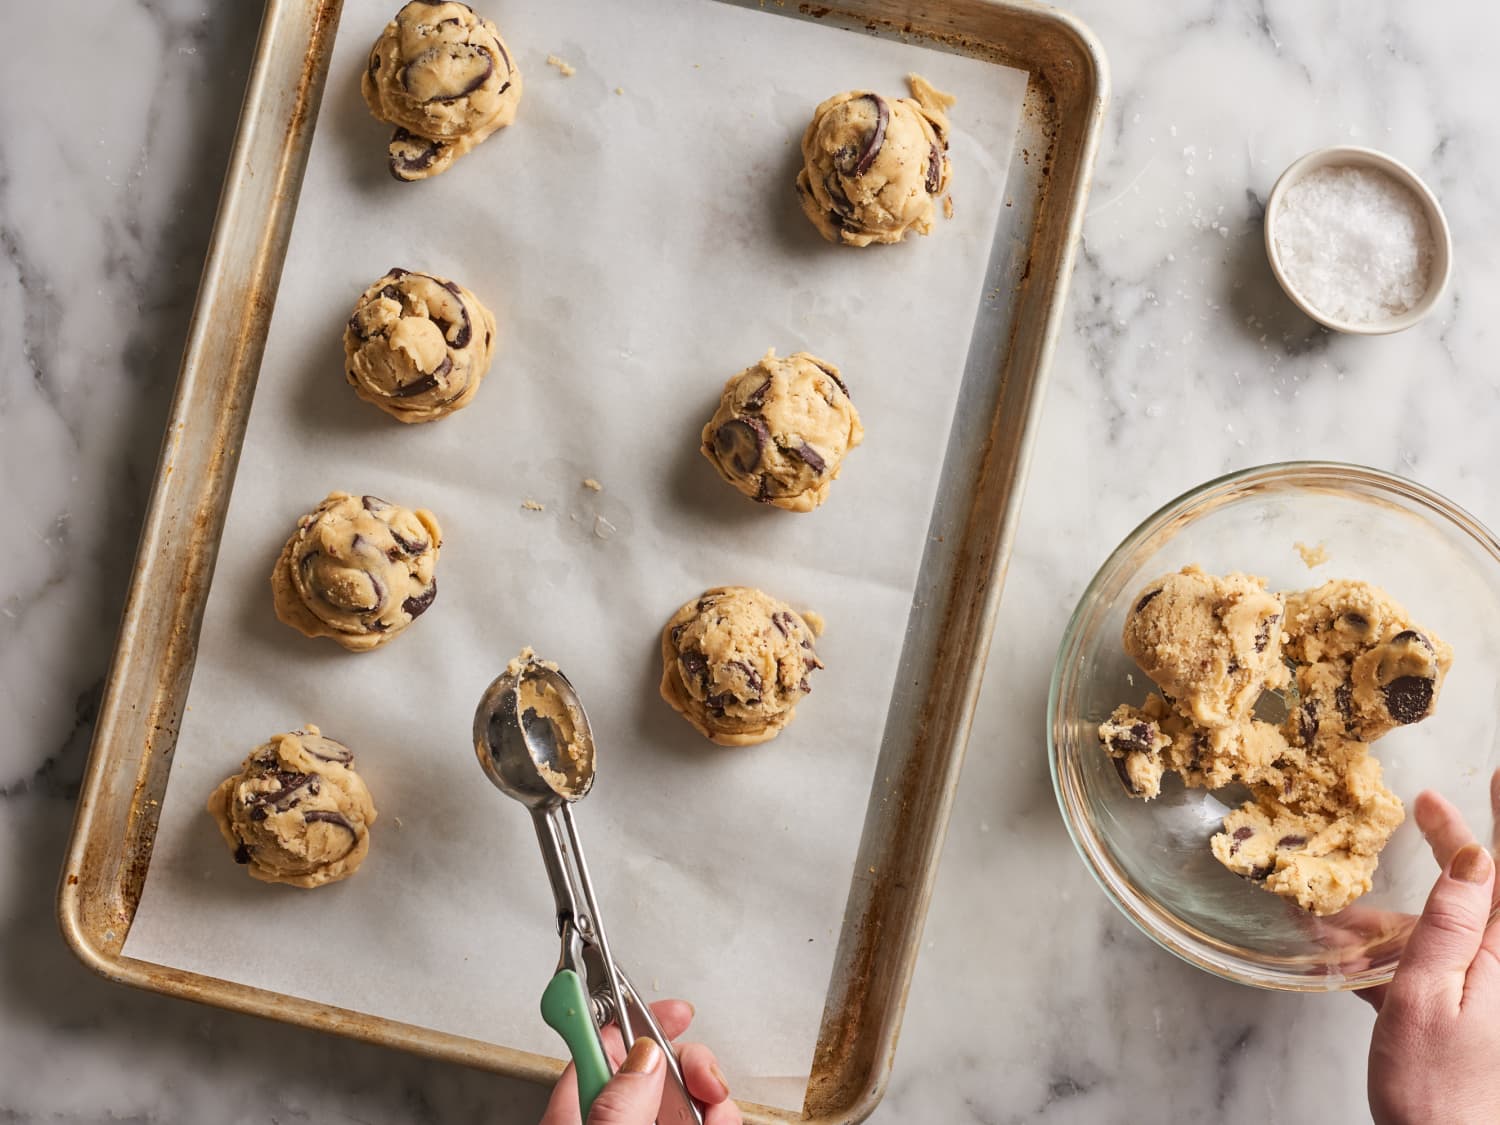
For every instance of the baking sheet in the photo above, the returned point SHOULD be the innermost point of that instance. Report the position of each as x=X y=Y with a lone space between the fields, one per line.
x=638 y=239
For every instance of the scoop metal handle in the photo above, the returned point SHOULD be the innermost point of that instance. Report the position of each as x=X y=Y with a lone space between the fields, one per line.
x=677 y=1105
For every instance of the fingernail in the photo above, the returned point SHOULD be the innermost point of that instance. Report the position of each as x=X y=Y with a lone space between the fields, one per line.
x=1472 y=864
x=713 y=1068
x=692 y=1010
x=644 y=1057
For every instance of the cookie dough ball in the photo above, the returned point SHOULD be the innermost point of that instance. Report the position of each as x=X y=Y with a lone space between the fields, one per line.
x=782 y=429
x=443 y=76
x=735 y=663
x=296 y=812
x=358 y=570
x=417 y=346
x=1211 y=643
x=872 y=168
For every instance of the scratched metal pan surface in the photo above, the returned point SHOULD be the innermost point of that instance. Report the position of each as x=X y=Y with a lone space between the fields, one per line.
x=963 y=570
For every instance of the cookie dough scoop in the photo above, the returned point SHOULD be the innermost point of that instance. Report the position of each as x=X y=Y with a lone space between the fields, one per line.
x=534 y=743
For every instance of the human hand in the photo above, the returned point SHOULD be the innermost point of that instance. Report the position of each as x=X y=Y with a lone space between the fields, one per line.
x=633 y=1095
x=1437 y=1028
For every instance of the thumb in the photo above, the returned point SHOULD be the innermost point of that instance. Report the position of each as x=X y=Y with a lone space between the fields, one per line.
x=633 y=1095
x=1446 y=938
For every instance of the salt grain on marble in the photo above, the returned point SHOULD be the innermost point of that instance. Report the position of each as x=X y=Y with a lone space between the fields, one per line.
x=1355 y=243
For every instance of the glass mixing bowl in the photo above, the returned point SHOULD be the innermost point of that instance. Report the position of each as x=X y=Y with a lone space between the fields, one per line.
x=1153 y=858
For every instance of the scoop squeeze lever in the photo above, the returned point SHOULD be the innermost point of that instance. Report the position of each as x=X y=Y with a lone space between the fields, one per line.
x=565 y=1007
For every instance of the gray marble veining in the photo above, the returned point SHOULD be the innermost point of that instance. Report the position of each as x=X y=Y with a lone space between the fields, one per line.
x=1182 y=360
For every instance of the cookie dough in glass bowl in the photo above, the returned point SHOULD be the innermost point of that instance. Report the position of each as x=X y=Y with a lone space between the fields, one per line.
x=1153 y=857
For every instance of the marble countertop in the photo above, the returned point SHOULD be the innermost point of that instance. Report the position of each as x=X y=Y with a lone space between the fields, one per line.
x=1180 y=360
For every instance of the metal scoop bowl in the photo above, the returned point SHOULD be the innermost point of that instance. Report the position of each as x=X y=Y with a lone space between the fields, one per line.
x=532 y=737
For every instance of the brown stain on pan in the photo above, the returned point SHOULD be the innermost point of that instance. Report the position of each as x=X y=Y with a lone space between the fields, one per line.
x=857 y=1039
x=225 y=370
x=309 y=94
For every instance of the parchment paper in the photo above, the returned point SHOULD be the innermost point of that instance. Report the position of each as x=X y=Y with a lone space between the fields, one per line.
x=637 y=235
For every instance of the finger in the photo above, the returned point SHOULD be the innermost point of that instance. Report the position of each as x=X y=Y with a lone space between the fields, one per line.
x=1484 y=975
x=632 y=1096
x=700 y=1070
x=1373 y=996
x=725 y=1113
x=1442 y=825
x=1446 y=938
x=562 y=1106
x=1495 y=811
x=674 y=1017
x=1486 y=970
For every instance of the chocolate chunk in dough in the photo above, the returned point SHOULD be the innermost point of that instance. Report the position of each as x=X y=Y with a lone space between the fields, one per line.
x=1396 y=682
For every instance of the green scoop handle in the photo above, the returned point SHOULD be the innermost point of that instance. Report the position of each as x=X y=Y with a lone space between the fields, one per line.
x=565 y=1007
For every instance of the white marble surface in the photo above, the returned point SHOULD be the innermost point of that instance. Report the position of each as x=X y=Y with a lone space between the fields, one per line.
x=1180 y=360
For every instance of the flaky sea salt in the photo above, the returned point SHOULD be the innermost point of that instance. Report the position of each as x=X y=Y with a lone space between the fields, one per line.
x=1354 y=242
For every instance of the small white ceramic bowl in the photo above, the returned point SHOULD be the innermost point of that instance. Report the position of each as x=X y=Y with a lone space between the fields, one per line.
x=1442 y=248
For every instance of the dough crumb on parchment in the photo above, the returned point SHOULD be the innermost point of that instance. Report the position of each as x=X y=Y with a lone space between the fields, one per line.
x=592 y=485
x=565 y=68
x=533 y=506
